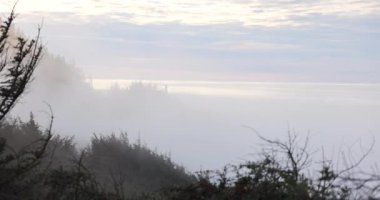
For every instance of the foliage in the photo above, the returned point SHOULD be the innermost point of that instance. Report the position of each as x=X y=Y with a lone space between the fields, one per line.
x=280 y=173
x=19 y=58
x=128 y=169
x=110 y=168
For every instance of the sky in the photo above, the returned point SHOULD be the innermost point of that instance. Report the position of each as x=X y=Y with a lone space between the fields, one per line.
x=225 y=40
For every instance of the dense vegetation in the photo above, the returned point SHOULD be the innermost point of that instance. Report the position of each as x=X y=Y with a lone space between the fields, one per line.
x=36 y=165
x=110 y=164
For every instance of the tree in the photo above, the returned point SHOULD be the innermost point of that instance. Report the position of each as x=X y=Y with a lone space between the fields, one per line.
x=282 y=171
x=18 y=60
x=19 y=57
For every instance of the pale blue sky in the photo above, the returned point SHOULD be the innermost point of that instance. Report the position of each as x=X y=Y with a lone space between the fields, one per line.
x=285 y=40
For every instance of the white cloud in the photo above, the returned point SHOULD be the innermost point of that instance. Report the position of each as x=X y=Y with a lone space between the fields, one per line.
x=268 y=13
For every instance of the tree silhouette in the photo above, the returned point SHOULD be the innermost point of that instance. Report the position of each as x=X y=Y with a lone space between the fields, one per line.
x=18 y=60
x=19 y=57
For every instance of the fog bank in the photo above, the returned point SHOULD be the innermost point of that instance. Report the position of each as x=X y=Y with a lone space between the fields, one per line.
x=203 y=124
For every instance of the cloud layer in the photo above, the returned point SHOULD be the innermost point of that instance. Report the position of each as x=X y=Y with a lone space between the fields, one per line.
x=292 y=40
x=267 y=13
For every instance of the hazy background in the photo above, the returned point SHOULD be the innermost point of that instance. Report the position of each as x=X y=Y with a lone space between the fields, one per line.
x=210 y=69
x=203 y=124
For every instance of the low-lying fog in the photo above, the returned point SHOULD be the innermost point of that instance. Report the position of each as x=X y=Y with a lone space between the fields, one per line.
x=204 y=124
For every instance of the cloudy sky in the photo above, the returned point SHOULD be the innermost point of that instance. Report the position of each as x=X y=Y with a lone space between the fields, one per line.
x=245 y=40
